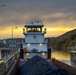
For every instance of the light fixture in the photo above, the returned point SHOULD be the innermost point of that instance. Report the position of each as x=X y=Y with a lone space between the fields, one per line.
x=28 y=44
x=40 y=44
x=27 y=54
x=43 y=53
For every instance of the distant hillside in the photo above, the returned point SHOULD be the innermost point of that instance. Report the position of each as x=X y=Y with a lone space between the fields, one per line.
x=63 y=41
x=67 y=34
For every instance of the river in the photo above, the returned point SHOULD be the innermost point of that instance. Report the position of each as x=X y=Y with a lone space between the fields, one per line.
x=63 y=57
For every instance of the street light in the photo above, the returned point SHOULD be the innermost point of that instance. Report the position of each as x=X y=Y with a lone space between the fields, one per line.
x=12 y=36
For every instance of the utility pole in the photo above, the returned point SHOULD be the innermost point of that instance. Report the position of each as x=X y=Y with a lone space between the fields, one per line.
x=12 y=41
x=12 y=36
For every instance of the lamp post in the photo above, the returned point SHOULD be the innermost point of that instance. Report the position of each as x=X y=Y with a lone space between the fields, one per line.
x=12 y=36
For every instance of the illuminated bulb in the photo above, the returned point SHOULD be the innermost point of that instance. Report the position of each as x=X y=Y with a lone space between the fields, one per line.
x=28 y=44
x=43 y=54
x=27 y=54
x=40 y=44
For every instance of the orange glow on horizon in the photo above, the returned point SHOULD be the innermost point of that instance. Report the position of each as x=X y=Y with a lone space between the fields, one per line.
x=18 y=33
x=7 y=33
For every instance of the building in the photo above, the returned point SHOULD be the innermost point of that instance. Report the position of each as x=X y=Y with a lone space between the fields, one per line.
x=15 y=43
x=9 y=43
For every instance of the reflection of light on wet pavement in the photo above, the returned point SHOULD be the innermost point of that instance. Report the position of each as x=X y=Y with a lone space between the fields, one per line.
x=69 y=62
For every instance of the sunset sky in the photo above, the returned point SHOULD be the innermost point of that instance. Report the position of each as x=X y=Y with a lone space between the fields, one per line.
x=58 y=16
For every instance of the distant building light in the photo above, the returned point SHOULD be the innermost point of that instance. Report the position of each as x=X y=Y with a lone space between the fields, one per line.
x=40 y=44
x=28 y=44
x=27 y=54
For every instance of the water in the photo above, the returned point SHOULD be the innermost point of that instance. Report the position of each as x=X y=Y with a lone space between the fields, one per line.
x=63 y=57
x=71 y=63
x=60 y=55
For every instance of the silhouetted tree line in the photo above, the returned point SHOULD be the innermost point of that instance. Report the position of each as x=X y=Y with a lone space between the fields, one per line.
x=62 y=44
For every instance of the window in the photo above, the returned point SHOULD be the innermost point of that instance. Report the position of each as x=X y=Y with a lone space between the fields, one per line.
x=34 y=29
x=39 y=29
x=29 y=29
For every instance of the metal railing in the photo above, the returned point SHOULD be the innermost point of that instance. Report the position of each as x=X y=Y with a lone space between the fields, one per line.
x=2 y=69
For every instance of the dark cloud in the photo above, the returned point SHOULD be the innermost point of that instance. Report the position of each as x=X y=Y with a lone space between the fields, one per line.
x=17 y=12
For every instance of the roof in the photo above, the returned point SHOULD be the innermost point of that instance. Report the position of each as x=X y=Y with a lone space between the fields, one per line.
x=35 y=23
x=39 y=66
